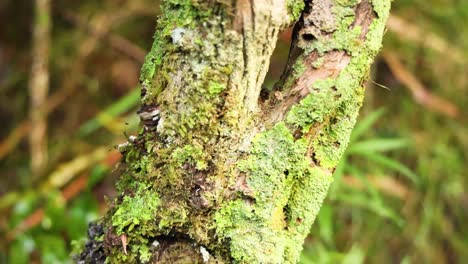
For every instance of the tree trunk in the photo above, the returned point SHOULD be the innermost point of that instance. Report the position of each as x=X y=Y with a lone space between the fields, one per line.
x=218 y=173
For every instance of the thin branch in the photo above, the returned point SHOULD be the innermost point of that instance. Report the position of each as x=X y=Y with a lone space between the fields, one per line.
x=117 y=42
x=408 y=31
x=385 y=184
x=420 y=94
x=39 y=87
x=293 y=86
x=70 y=85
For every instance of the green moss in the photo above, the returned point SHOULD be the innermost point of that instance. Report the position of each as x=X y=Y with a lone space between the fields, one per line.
x=303 y=206
x=177 y=14
x=277 y=169
x=189 y=67
x=331 y=141
x=343 y=39
x=276 y=160
x=143 y=252
x=298 y=69
x=348 y=2
x=173 y=216
x=318 y=62
x=215 y=88
x=295 y=8
x=315 y=107
x=136 y=211
x=191 y=154
x=135 y=218
x=375 y=34
x=330 y=110
x=382 y=8
x=188 y=72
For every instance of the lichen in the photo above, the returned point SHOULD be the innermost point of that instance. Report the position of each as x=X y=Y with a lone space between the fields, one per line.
x=331 y=141
x=189 y=67
x=215 y=88
x=329 y=111
x=342 y=39
x=314 y=107
x=382 y=8
x=295 y=8
x=178 y=17
x=277 y=169
x=192 y=165
x=303 y=206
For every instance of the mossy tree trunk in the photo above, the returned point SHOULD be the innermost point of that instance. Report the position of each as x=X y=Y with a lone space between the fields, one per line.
x=217 y=173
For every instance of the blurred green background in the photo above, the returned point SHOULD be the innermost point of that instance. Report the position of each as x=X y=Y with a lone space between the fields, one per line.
x=399 y=194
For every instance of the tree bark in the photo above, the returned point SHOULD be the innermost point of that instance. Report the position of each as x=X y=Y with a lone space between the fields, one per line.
x=217 y=173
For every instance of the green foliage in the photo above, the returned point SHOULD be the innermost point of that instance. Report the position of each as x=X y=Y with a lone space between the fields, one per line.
x=135 y=211
x=367 y=200
x=59 y=220
x=126 y=103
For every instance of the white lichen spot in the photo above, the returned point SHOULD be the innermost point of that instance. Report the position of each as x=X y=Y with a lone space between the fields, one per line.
x=132 y=138
x=155 y=244
x=160 y=125
x=122 y=147
x=205 y=254
x=177 y=35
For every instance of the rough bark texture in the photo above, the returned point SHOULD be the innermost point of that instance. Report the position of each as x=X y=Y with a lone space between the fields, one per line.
x=218 y=174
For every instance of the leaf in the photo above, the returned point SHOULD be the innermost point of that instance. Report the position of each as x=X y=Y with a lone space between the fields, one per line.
x=393 y=164
x=375 y=194
x=366 y=123
x=362 y=201
x=354 y=256
x=377 y=145
x=97 y=174
x=124 y=104
x=325 y=222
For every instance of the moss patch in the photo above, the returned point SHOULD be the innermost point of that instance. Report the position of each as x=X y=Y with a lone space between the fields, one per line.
x=135 y=211
x=295 y=8
x=277 y=170
x=135 y=219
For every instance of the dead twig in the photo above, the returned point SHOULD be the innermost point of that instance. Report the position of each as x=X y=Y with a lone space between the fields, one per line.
x=420 y=94
x=385 y=184
x=70 y=86
x=411 y=32
x=117 y=42
x=39 y=87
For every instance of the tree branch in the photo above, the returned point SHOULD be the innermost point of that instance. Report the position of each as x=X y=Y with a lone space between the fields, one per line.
x=216 y=173
x=39 y=87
